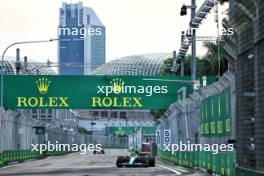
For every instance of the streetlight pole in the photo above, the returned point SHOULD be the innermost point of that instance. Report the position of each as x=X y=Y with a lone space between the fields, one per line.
x=3 y=56
x=192 y=32
x=194 y=69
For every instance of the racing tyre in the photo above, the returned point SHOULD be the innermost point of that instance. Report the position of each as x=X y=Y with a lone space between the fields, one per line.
x=145 y=161
x=119 y=161
x=151 y=161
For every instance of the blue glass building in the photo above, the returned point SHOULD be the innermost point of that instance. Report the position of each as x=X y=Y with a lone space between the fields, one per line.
x=81 y=48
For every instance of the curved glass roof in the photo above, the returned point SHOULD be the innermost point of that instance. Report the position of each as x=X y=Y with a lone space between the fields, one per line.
x=137 y=65
x=9 y=67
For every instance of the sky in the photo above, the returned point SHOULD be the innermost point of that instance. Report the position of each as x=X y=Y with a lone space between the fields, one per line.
x=132 y=26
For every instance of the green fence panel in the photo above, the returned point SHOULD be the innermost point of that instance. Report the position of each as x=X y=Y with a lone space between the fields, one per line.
x=227 y=95
x=24 y=154
x=203 y=159
x=209 y=161
x=20 y=154
x=221 y=163
x=196 y=158
x=222 y=157
x=171 y=158
x=4 y=157
x=231 y=159
x=12 y=155
x=228 y=163
x=214 y=162
x=175 y=160
x=185 y=159
x=218 y=163
x=180 y=159
x=215 y=115
x=9 y=156
x=1 y=159
x=191 y=159
x=200 y=158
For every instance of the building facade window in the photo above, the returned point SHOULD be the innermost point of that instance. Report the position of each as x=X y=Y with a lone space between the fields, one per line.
x=104 y=114
x=88 y=19
x=123 y=115
x=114 y=114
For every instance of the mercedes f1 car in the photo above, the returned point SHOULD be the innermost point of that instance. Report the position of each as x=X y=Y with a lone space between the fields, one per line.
x=135 y=160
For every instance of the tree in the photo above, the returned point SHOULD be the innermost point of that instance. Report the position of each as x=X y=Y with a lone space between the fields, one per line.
x=167 y=64
x=212 y=57
x=207 y=65
x=156 y=114
x=82 y=130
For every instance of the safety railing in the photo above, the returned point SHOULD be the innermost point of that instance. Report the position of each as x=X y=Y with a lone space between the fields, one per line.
x=220 y=163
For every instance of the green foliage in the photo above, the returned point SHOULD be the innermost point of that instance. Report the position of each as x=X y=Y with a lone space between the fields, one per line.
x=156 y=114
x=167 y=64
x=208 y=64
x=211 y=58
x=82 y=130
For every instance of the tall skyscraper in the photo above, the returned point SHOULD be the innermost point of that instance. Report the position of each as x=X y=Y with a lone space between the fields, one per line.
x=82 y=40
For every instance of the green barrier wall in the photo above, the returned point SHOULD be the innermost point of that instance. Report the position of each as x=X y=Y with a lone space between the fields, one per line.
x=22 y=155
x=18 y=155
x=216 y=115
x=221 y=163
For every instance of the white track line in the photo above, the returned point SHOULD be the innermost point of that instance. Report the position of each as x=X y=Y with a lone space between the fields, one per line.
x=175 y=171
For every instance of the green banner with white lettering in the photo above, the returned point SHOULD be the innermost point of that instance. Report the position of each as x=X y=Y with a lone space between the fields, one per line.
x=127 y=130
x=92 y=92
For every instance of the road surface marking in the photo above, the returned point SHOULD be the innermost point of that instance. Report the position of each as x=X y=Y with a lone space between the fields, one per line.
x=175 y=171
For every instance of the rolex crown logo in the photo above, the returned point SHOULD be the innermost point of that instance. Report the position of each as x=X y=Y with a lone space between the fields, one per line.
x=43 y=85
x=117 y=85
x=120 y=132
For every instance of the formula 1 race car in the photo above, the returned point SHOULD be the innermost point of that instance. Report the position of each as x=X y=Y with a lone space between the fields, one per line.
x=141 y=160
x=102 y=151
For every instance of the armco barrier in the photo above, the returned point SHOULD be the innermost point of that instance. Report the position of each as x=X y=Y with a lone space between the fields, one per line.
x=220 y=163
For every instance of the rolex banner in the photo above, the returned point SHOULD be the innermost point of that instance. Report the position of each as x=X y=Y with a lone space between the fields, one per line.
x=92 y=92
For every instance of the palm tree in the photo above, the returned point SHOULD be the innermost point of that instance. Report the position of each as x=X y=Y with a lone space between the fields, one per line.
x=212 y=57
